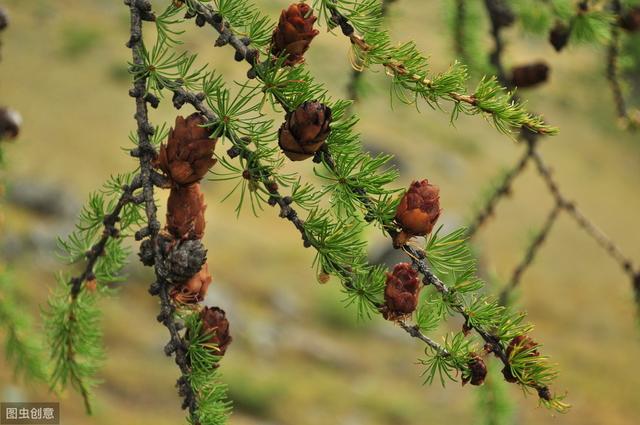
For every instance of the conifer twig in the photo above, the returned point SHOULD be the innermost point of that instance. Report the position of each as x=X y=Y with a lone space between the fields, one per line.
x=459 y=38
x=398 y=68
x=530 y=254
x=503 y=189
x=414 y=331
x=613 y=52
x=146 y=153
x=356 y=74
x=613 y=75
x=495 y=12
x=226 y=35
x=587 y=225
x=109 y=231
x=21 y=348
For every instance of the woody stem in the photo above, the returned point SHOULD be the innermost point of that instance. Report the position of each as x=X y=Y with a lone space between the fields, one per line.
x=146 y=154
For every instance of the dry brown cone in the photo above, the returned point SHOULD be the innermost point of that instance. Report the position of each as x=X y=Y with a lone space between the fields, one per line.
x=559 y=36
x=188 y=154
x=417 y=212
x=477 y=370
x=305 y=130
x=215 y=323
x=401 y=292
x=185 y=212
x=294 y=33
x=193 y=290
x=530 y=75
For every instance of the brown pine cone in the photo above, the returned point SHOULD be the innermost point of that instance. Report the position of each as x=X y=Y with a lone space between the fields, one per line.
x=401 y=292
x=215 y=323
x=193 y=290
x=188 y=154
x=559 y=36
x=185 y=212
x=305 y=130
x=417 y=212
x=294 y=33
x=10 y=122
x=529 y=75
x=477 y=370
x=630 y=21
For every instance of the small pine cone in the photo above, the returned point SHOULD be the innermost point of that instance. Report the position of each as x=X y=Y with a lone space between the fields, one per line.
x=545 y=393
x=630 y=21
x=185 y=212
x=215 y=323
x=182 y=259
x=530 y=75
x=559 y=36
x=305 y=130
x=188 y=154
x=417 y=212
x=10 y=122
x=518 y=345
x=294 y=33
x=477 y=370
x=193 y=290
x=401 y=292
x=4 y=19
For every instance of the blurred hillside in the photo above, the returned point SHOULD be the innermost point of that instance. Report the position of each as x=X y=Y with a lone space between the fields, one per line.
x=299 y=357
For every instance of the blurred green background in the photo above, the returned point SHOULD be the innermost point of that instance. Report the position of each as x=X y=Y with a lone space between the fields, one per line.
x=299 y=357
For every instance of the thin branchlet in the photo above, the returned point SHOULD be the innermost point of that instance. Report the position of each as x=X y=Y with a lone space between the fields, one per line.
x=613 y=73
x=146 y=153
x=502 y=190
x=477 y=102
x=530 y=253
x=109 y=231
